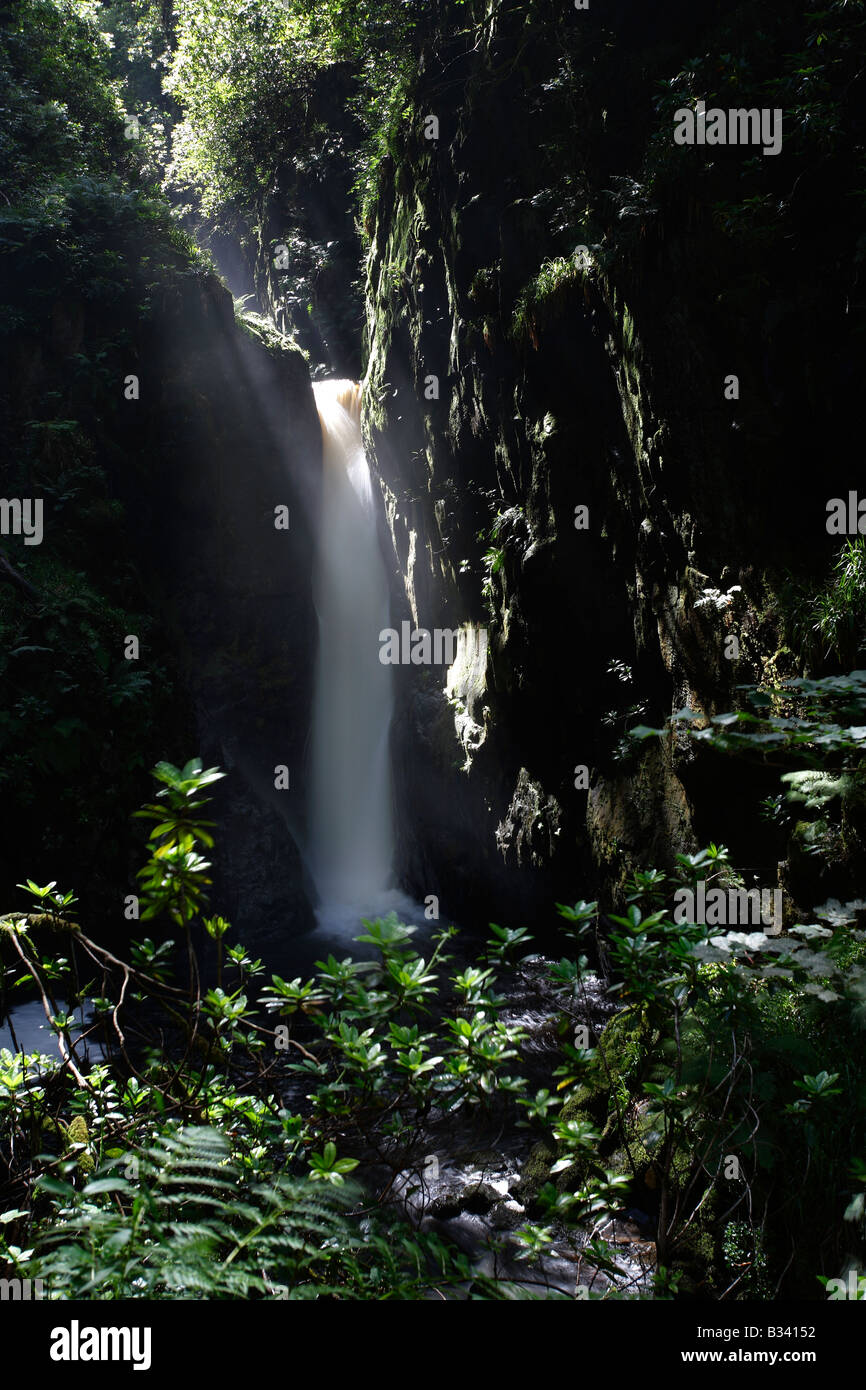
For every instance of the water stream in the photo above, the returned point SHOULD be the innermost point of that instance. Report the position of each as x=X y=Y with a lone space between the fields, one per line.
x=351 y=825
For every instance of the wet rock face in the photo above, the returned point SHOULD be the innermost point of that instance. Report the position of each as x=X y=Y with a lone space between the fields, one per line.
x=507 y=387
x=486 y=442
x=235 y=436
x=221 y=434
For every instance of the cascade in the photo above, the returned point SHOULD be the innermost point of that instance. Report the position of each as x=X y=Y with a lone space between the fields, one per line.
x=351 y=830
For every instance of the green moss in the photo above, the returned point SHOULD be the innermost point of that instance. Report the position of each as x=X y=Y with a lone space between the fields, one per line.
x=695 y=1256
x=536 y=1171
x=628 y=330
x=263 y=331
x=77 y=1133
x=624 y=1043
x=546 y=296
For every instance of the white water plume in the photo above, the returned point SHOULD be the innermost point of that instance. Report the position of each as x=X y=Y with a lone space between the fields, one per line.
x=351 y=840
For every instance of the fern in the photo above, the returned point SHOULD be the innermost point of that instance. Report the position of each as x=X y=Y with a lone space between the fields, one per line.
x=193 y=1226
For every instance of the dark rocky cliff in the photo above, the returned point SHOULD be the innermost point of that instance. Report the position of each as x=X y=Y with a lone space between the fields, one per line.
x=159 y=522
x=567 y=379
x=239 y=588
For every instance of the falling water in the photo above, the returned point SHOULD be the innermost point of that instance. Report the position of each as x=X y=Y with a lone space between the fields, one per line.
x=351 y=843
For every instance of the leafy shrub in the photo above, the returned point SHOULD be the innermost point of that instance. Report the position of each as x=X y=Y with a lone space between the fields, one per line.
x=728 y=1045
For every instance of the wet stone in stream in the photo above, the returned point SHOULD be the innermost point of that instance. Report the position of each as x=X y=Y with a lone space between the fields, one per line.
x=467 y=1187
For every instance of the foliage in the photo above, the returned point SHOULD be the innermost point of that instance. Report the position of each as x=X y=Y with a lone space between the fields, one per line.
x=509 y=531
x=63 y=117
x=617 y=718
x=728 y=1044
x=726 y=1097
x=257 y=1201
x=79 y=719
x=814 y=732
x=187 y=1225
x=246 y=77
x=88 y=255
x=547 y=294
x=802 y=59
x=139 y=35
x=822 y=728
x=841 y=609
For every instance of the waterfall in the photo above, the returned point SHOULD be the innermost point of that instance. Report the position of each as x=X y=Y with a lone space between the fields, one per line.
x=351 y=839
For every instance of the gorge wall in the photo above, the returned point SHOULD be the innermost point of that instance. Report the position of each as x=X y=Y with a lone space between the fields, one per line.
x=594 y=379
x=162 y=437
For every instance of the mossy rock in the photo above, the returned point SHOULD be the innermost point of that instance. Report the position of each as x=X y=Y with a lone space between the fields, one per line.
x=535 y=1172
x=587 y=1101
x=625 y=1040
x=639 y=1158
x=697 y=1254
x=77 y=1133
